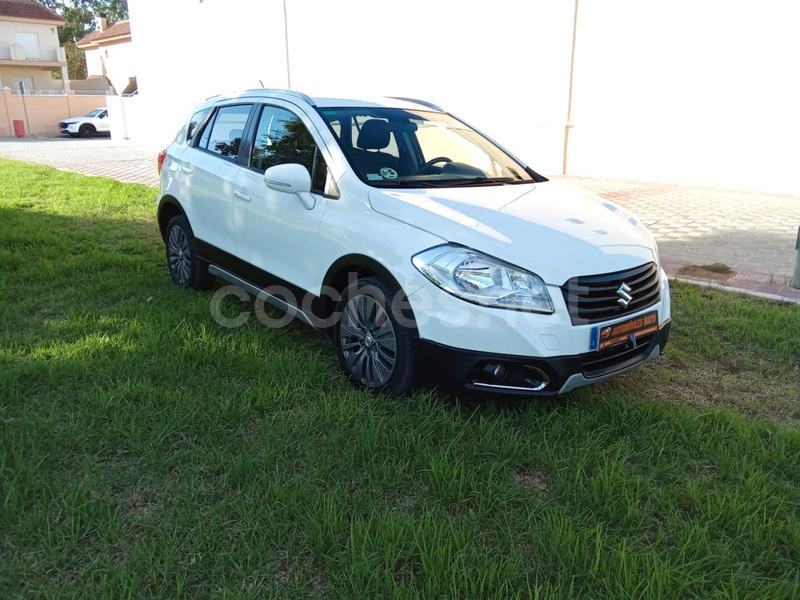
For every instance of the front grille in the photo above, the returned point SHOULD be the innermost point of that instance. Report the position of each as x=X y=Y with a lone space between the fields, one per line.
x=595 y=298
x=62 y=125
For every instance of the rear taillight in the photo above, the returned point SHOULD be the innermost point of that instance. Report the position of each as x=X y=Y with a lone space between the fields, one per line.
x=161 y=156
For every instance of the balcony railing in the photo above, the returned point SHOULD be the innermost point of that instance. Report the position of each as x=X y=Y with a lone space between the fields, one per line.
x=32 y=53
x=15 y=92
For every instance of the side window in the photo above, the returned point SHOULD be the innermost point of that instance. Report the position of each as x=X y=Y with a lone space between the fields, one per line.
x=194 y=124
x=189 y=130
x=223 y=135
x=281 y=138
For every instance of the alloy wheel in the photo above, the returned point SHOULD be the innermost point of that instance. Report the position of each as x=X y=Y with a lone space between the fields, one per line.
x=368 y=341
x=179 y=255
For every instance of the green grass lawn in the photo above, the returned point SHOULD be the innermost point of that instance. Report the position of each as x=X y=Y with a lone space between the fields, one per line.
x=145 y=451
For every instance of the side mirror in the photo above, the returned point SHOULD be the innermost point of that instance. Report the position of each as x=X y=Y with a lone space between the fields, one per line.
x=291 y=178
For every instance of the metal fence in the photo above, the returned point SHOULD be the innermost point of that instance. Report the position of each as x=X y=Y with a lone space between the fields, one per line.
x=15 y=92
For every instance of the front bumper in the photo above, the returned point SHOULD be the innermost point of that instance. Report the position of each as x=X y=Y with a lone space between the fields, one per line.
x=455 y=370
x=68 y=128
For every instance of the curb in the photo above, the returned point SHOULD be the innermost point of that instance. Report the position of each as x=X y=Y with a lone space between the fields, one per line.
x=727 y=288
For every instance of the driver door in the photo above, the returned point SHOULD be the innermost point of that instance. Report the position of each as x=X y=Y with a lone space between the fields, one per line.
x=275 y=232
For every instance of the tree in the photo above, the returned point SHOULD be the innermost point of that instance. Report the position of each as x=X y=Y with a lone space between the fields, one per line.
x=80 y=18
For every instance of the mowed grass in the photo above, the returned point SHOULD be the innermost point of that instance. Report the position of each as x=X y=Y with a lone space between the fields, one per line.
x=145 y=451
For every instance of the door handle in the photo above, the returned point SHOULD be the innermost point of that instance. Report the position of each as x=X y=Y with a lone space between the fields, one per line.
x=186 y=169
x=242 y=196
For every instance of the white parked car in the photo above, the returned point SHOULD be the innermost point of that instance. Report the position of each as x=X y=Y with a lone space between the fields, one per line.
x=88 y=126
x=425 y=250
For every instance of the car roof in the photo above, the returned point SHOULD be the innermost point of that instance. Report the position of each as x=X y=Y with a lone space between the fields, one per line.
x=324 y=102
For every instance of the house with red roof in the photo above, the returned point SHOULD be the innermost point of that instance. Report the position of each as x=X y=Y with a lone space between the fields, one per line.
x=29 y=49
x=109 y=55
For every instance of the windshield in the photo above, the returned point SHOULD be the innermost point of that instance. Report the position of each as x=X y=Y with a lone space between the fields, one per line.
x=95 y=112
x=390 y=147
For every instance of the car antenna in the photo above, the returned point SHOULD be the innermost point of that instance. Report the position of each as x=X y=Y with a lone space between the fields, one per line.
x=261 y=82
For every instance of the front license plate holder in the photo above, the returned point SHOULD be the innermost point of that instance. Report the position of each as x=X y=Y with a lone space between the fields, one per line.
x=628 y=331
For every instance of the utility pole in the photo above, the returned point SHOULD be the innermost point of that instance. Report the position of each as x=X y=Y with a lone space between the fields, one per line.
x=286 y=38
x=568 y=125
x=25 y=108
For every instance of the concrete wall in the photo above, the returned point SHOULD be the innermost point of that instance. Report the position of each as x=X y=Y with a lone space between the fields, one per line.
x=96 y=84
x=703 y=92
x=188 y=50
x=126 y=117
x=686 y=91
x=44 y=112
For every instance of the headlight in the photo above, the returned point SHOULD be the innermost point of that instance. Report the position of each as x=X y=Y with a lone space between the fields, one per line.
x=483 y=280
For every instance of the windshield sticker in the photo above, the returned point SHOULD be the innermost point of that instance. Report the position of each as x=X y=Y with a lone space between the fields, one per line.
x=389 y=173
x=374 y=177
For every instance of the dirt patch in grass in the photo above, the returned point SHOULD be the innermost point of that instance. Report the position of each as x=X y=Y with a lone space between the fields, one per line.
x=715 y=271
x=749 y=389
x=532 y=481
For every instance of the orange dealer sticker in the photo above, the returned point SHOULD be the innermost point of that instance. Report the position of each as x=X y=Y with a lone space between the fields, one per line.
x=604 y=336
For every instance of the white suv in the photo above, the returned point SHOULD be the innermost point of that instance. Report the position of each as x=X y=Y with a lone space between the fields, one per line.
x=87 y=126
x=426 y=251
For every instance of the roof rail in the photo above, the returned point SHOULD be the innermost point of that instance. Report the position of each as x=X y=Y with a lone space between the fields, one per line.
x=301 y=95
x=422 y=102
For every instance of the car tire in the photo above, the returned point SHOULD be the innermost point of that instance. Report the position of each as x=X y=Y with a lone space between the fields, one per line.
x=86 y=130
x=186 y=268
x=375 y=337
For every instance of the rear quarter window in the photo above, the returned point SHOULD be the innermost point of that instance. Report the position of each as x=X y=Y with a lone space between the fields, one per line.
x=190 y=129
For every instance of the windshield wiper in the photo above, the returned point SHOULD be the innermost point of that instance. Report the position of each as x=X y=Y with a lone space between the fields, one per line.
x=390 y=183
x=482 y=180
x=446 y=183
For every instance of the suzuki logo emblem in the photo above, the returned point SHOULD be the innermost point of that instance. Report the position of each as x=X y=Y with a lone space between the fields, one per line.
x=624 y=293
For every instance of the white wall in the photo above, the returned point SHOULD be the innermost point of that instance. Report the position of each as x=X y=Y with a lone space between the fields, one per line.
x=200 y=49
x=94 y=62
x=688 y=91
x=704 y=92
x=48 y=34
x=118 y=62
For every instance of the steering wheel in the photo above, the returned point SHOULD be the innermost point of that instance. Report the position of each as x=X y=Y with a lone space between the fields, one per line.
x=424 y=168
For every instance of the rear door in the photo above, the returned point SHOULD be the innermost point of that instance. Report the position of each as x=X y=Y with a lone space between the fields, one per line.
x=101 y=121
x=208 y=168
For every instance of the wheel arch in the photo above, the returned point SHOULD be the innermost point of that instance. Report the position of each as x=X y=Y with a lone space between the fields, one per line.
x=347 y=268
x=168 y=207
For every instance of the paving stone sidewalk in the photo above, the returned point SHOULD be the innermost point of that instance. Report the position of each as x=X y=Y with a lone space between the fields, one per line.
x=754 y=233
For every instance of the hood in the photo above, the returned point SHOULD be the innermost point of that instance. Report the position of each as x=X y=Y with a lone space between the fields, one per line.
x=553 y=229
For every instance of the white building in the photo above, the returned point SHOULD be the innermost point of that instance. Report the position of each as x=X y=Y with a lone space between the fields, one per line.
x=29 y=48
x=674 y=90
x=110 y=54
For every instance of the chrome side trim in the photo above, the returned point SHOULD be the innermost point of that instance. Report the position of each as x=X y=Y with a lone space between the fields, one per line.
x=579 y=380
x=514 y=388
x=256 y=291
x=420 y=102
